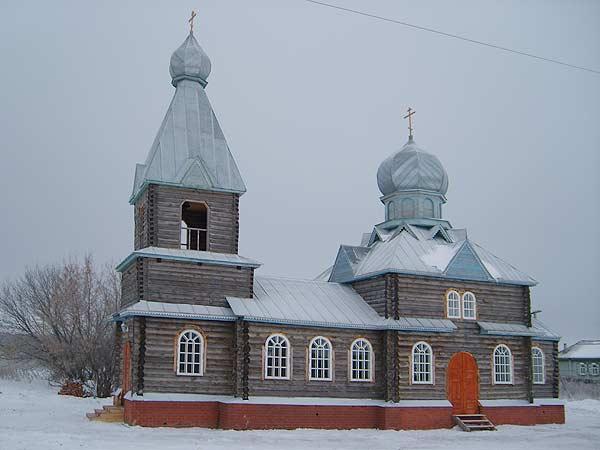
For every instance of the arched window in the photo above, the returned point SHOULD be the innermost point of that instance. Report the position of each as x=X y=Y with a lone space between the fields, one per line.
x=320 y=359
x=469 y=306
x=194 y=226
x=190 y=353
x=361 y=361
x=428 y=208
x=391 y=210
x=537 y=362
x=453 y=305
x=277 y=357
x=583 y=369
x=503 y=372
x=422 y=363
x=408 y=208
x=594 y=370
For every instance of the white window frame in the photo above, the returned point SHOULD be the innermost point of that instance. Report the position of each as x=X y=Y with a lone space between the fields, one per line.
x=370 y=371
x=201 y=353
x=313 y=360
x=541 y=358
x=474 y=317
x=594 y=369
x=495 y=365
x=583 y=369
x=458 y=308
x=286 y=358
x=417 y=361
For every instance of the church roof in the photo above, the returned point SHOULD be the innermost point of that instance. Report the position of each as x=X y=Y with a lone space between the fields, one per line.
x=190 y=149
x=424 y=250
x=321 y=304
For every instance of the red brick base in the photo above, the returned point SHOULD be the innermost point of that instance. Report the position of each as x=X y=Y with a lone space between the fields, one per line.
x=252 y=416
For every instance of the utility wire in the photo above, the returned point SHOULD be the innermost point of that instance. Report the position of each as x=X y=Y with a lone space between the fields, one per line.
x=455 y=36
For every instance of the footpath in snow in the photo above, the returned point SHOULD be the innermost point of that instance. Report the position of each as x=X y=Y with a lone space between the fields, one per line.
x=33 y=416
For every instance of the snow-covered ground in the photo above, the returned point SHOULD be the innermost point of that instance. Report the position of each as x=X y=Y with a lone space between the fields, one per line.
x=33 y=416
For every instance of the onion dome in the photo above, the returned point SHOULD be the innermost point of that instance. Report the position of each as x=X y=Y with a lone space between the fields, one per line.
x=412 y=168
x=190 y=62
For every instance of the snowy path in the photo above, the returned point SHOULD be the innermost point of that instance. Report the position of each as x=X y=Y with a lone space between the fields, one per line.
x=33 y=416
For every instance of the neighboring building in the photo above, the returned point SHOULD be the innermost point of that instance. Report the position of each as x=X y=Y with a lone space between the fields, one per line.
x=415 y=324
x=581 y=361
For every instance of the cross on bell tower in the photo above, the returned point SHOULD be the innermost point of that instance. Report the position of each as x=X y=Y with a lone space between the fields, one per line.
x=191 y=21
x=411 y=112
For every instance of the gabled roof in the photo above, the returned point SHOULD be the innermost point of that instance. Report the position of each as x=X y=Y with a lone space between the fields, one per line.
x=586 y=349
x=424 y=250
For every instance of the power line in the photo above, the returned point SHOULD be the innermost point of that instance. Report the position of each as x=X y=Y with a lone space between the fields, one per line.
x=454 y=36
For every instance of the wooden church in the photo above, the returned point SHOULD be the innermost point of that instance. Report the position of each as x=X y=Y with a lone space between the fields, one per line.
x=415 y=327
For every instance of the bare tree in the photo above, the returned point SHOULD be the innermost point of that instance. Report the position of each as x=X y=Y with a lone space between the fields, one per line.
x=63 y=311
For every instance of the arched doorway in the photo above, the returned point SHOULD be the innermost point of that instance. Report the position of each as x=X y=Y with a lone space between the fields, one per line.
x=462 y=384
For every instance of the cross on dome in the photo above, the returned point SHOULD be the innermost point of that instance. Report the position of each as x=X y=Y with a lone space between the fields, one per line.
x=191 y=21
x=411 y=113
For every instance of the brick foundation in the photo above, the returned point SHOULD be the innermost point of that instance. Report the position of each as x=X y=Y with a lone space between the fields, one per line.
x=260 y=416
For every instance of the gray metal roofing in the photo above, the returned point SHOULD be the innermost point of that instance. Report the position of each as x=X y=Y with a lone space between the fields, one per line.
x=322 y=304
x=418 y=250
x=175 y=254
x=190 y=149
x=509 y=329
x=549 y=335
x=586 y=349
x=176 y=310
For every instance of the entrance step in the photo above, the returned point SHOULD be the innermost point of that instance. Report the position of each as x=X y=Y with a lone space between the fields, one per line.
x=107 y=414
x=473 y=422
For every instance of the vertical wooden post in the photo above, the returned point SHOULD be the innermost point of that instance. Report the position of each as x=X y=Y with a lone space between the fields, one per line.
x=141 y=356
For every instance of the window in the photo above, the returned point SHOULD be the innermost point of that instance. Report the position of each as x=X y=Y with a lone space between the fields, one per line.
x=277 y=357
x=595 y=369
x=422 y=363
x=190 y=353
x=428 y=208
x=361 y=361
x=194 y=226
x=502 y=365
x=391 y=210
x=453 y=305
x=408 y=208
x=537 y=361
x=582 y=369
x=469 y=305
x=320 y=359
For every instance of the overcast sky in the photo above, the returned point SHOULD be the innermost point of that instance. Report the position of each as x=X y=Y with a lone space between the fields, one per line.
x=310 y=100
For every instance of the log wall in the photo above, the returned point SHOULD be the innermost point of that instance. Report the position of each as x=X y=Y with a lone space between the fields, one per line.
x=550 y=388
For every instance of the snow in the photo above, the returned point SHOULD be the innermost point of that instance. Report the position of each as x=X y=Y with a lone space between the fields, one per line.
x=440 y=256
x=583 y=350
x=33 y=416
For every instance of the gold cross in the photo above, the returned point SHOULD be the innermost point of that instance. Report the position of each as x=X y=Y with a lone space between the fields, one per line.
x=191 y=21
x=409 y=117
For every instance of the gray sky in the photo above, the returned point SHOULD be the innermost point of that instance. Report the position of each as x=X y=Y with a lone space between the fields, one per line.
x=310 y=100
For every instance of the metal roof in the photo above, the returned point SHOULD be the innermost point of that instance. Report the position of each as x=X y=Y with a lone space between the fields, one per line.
x=175 y=254
x=428 y=250
x=586 y=349
x=549 y=335
x=176 y=311
x=190 y=149
x=509 y=329
x=321 y=304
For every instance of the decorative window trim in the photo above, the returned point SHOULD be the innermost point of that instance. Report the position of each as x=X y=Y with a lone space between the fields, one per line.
x=202 y=359
x=288 y=358
x=542 y=357
x=594 y=369
x=464 y=316
x=495 y=373
x=431 y=372
x=371 y=371
x=583 y=369
x=459 y=309
x=329 y=360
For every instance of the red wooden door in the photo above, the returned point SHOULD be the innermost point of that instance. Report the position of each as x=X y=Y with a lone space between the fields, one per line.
x=462 y=384
x=126 y=387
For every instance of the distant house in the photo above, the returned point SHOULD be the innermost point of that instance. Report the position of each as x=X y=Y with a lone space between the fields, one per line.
x=581 y=361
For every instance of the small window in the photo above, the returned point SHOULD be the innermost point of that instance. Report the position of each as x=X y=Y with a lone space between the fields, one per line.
x=594 y=370
x=469 y=305
x=391 y=210
x=583 y=369
x=422 y=363
x=320 y=359
x=190 y=353
x=428 y=208
x=453 y=305
x=277 y=357
x=408 y=208
x=503 y=372
x=194 y=226
x=537 y=361
x=361 y=361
